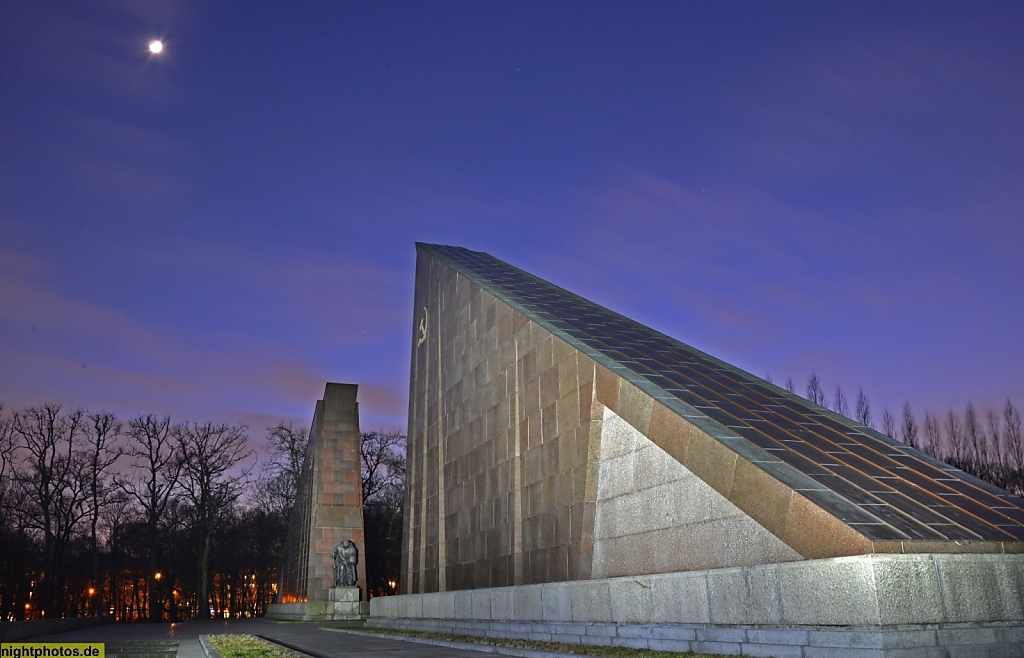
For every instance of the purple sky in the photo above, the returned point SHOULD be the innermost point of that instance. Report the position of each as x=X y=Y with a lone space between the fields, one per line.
x=214 y=232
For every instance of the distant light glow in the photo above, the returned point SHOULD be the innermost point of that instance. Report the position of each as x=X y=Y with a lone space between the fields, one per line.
x=156 y=46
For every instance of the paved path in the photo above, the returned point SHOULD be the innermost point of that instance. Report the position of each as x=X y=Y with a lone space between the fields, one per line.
x=310 y=638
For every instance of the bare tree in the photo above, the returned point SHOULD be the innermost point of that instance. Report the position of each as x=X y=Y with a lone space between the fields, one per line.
x=975 y=436
x=955 y=436
x=383 y=461
x=1012 y=435
x=6 y=465
x=53 y=491
x=383 y=480
x=155 y=470
x=211 y=454
x=116 y=515
x=908 y=430
x=839 y=404
x=789 y=385
x=276 y=489
x=888 y=423
x=932 y=435
x=995 y=433
x=863 y=411
x=19 y=552
x=8 y=577
x=101 y=432
x=815 y=393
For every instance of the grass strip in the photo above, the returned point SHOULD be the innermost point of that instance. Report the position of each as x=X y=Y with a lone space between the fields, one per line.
x=247 y=646
x=597 y=651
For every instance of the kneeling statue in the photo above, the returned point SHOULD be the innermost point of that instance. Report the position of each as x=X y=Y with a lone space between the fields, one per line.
x=346 y=557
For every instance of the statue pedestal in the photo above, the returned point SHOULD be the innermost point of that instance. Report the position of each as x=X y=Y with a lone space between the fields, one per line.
x=344 y=602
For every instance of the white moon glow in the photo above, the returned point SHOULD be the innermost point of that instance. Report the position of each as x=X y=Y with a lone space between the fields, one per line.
x=156 y=46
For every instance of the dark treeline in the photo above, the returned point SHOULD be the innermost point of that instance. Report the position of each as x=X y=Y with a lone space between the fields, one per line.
x=146 y=519
x=985 y=443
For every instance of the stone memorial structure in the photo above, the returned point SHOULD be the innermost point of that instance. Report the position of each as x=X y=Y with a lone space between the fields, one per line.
x=319 y=581
x=576 y=476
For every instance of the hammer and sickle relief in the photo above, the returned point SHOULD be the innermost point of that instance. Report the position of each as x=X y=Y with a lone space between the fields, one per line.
x=422 y=338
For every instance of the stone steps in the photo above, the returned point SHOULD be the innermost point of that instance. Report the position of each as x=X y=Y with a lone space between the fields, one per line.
x=141 y=649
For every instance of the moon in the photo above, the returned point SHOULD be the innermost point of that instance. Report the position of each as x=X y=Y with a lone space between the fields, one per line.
x=156 y=46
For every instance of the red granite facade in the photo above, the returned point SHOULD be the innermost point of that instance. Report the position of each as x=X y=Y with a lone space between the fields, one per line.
x=329 y=504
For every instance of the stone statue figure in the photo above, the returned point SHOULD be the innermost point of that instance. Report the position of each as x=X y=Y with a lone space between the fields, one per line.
x=346 y=557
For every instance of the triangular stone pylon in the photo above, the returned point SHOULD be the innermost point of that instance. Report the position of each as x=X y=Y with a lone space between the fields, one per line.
x=551 y=439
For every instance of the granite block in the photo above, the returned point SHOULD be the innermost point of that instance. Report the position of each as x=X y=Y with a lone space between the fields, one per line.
x=744 y=596
x=556 y=601
x=829 y=592
x=680 y=598
x=630 y=599
x=591 y=601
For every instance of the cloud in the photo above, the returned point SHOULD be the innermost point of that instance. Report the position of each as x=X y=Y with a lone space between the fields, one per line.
x=644 y=222
x=878 y=106
x=89 y=353
x=772 y=284
x=745 y=239
x=331 y=295
x=118 y=159
x=383 y=406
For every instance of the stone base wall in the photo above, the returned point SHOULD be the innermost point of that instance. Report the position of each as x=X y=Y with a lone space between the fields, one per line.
x=945 y=641
x=906 y=641
x=861 y=590
x=884 y=605
x=344 y=605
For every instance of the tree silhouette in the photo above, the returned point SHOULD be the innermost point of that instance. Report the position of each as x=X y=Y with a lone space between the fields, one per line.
x=815 y=392
x=52 y=488
x=839 y=404
x=210 y=454
x=101 y=430
x=383 y=481
x=156 y=463
x=888 y=424
x=863 y=410
x=908 y=429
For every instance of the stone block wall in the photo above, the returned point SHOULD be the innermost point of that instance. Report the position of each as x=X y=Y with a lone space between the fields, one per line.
x=329 y=505
x=507 y=426
x=881 y=605
x=653 y=515
x=503 y=498
x=856 y=591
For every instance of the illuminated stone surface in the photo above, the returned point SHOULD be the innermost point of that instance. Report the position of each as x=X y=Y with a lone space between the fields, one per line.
x=552 y=439
x=328 y=510
x=570 y=466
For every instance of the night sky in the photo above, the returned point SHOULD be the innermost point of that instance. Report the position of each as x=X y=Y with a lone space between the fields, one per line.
x=216 y=231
